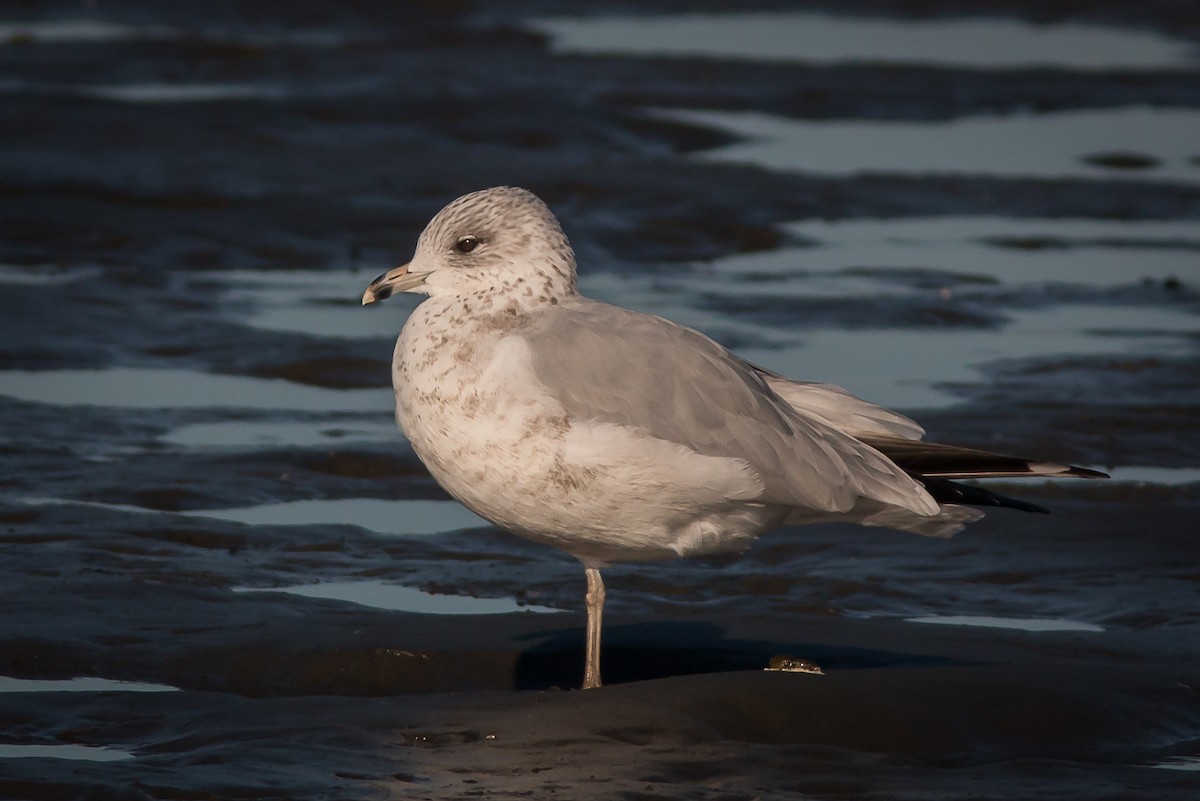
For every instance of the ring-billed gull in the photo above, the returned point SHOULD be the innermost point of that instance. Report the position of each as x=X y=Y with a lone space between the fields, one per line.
x=620 y=436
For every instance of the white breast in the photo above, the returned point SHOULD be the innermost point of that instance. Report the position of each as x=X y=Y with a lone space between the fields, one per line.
x=495 y=438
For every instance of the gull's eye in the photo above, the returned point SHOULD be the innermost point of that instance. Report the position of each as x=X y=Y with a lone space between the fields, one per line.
x=466 y=244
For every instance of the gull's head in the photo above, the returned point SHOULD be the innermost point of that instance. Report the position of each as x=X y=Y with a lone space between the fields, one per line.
x=502 y=240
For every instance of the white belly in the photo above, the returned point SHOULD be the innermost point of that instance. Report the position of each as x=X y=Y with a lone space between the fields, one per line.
x=494 y=437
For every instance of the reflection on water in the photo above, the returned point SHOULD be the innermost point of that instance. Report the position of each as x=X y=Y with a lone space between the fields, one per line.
x=93 y=31
x=83 y=684
x=1018 y=623
x=318 y=303
x=1091 y=253
x=381 y=595
x=142 y=388
x=111 y=507
x=182 y=92
x=245 y=434
x=1048 y=232
x=81 y=31
x=1179 y=763
x=384 y=517
x=900 y=367
x=45 y=274
x=86 y=753
x=1048 y=145
x=824 y=39
x=1171 y=476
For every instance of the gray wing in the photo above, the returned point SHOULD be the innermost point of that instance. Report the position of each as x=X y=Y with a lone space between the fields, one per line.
x=612 y=365
x=840 y=409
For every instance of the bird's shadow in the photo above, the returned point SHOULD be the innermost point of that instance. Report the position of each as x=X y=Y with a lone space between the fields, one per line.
x=641 y=651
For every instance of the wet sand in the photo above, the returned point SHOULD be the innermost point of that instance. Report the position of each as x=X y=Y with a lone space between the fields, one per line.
x=325 y=699
x=196 y=422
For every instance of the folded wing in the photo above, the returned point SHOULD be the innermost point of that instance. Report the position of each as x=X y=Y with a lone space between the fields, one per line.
x=611 y=365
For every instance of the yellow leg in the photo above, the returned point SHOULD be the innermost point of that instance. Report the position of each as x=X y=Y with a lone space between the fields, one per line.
x=595 y=612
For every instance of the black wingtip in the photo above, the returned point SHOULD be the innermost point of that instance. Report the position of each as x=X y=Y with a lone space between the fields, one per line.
x=946 y=491
x=1083 y=472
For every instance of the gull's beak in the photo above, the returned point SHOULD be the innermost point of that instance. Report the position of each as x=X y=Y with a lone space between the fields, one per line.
x=396 y=280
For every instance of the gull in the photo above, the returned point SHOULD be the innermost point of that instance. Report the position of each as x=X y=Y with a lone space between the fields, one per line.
x=618 y=436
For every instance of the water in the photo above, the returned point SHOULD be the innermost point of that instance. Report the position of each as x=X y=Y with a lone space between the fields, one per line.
x=330 y=431
x=910 y=369
x=385 y=517
x=320 y=303
x=45 y=275
x=381 y=595
x=79 y=31
x=1169 y=476
x=81 y=753
x=183 y=92
x=81 y=684
x=84 y=31
x=1006 y=251
x=1061 y=144
x=1037 y=624
x=170 y=388
x=803 y=38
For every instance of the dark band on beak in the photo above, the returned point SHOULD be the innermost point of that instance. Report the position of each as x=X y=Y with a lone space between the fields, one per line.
x=396 y=280
x=380 y=292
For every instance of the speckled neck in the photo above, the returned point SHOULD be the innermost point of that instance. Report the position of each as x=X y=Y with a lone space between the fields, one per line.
x=517 y=294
